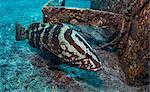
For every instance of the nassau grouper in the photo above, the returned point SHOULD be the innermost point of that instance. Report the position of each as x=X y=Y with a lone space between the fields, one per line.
x=61 y=40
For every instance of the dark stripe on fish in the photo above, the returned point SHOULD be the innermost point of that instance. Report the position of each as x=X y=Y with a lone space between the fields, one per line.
x=72 y=42
x=86 y=45
x=46 y=33
x=27 y=32
x=37 y=39
x=34 y=26
x=55 y=39
x=31 y=40
x=45 y=37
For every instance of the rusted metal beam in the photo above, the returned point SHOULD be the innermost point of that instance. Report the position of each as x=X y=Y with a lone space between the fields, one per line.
x=134 y=57
x=129 y=7
x=133 y=23
x=135 y=6
x=82 y=17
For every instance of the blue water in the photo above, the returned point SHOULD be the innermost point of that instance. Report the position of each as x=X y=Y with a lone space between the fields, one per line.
x=20 y=10
x=78 y=3
x=13 y=72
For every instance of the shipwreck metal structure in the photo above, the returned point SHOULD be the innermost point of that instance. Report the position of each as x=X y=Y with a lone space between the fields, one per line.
x=131 y=21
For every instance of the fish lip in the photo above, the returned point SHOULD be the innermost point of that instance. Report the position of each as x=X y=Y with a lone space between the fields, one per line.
x=96 y=69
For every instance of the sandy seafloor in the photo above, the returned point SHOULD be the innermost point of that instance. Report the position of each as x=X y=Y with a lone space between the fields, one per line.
x=25 y=69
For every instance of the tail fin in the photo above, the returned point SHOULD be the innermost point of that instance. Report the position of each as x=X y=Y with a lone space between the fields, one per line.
x=21 y=33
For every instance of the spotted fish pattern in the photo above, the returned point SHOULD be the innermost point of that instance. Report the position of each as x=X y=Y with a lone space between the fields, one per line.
x=64 y=42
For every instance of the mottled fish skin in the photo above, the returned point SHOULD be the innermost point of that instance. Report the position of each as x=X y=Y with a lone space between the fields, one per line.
x=64 y=42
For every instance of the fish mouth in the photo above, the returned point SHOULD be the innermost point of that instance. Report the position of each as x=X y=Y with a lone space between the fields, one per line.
x=96 y=69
